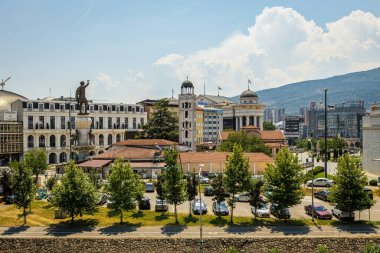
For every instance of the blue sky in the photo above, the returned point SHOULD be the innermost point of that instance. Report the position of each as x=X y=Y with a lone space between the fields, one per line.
x=134 y=50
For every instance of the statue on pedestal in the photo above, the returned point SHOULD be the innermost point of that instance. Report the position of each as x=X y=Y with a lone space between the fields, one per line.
x=80 y=96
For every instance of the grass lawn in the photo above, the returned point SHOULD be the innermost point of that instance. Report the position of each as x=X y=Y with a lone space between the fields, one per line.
x=43 y=215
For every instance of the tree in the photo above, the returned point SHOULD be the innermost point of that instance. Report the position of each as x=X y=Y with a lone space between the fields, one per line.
x=348 y=193
x=254 y=193
x=6 y=181
x=218 y=188
x=124 y=187
x=174 y=185
x=51 y=182
x=268 y=125
x=247 y=142
x=163 y=124
x=237 y=177
x=75 y=194
x=36 y=160
x=95 y=178
x=23 y=186
x=191 y=188
x=283 y=179
x=160 y=186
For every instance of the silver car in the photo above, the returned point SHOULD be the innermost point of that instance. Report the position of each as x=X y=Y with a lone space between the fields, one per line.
x=322 y=182
x=262 y=210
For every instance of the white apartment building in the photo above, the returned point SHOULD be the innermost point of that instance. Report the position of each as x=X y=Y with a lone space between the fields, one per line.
x=50 y=123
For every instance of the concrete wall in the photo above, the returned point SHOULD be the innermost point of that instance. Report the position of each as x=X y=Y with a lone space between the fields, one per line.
x=217 y=245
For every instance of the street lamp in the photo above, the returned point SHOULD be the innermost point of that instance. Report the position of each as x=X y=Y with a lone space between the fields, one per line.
x=201 y=208
x=325 y=133
x=312 y=180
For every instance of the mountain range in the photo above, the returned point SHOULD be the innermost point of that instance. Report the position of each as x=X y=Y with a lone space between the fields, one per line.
x=364 y=85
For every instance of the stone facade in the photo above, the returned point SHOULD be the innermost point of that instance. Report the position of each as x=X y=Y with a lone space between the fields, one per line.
x=167 y=245
x=371 y=140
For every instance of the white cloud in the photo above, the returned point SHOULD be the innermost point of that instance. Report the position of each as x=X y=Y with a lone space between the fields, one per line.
x=281 y=47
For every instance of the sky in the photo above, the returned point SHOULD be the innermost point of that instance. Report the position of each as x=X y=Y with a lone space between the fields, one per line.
x=132 y=50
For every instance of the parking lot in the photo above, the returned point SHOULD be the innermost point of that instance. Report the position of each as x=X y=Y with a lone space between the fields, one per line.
x=297 y=212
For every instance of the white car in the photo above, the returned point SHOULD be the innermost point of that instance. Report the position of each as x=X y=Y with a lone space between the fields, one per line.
x=204 y=180
x=324 y=182
x=242 y=197
x=261 y=211
x=343 y=215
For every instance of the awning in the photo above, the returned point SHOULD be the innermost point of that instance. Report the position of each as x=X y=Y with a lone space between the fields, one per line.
x=95 y=163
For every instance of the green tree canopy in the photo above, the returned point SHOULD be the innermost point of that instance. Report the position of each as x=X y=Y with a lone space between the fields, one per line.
x=191 y=188
x=248 y=143
x=237 y=176
x=75 y=194
x=174 y=185
x=36 y=160
x=123 y=187
x=23 y=186
x=163 y=124
x=268 y=125
x=255 y=192
x=348 y=192
x=283 y=179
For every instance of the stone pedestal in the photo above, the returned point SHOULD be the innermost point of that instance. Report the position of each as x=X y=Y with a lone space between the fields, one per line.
x=83 y=132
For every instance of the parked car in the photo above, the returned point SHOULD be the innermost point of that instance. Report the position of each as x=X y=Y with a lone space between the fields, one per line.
x=204 y=180
x=144 y=203
x=320 y=212
x=262 y=210
x=209 y=191
x=102 y=199
x=242 y=197
x=149 y=187
x=9 y=199
x=161 y=205
x=343 y=215
x=199 y=206
x=322 y=195
x=220 y=209
x=321 y=182
x=279 y=212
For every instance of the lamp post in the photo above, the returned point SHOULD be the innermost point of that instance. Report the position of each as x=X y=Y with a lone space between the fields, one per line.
x=201 y=208
x=312 y=180
x=325 y=133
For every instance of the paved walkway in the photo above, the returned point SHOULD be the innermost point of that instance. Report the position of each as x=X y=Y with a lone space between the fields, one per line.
x=190 y=232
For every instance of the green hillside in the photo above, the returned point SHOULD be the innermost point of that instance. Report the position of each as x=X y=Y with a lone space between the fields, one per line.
x=363 y=85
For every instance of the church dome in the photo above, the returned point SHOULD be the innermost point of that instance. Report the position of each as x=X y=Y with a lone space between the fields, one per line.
x=187 y=84
x=248 y=94
x=7 y=98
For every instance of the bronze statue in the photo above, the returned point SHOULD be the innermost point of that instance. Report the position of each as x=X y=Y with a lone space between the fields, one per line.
x=80 y=96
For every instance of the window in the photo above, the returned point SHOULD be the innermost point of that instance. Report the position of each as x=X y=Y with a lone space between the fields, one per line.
x=41 y=122
x=30 y=122
x=92 y=122
x=125 y=123
x=52 y=122
x=101 y=140
x=52 y=140
x=62 y=141
x=142 y=122
x=110 y=139
x=41 y=141
x=101 y=123
x=109 y=123
x=118 y=122
x=186 y=134
x=186 y=114
x=134 y=123
x=30 y=141
x=118 y=138
x=72 y=122
x=63 y=122
x=137 y=109
x=41 y=107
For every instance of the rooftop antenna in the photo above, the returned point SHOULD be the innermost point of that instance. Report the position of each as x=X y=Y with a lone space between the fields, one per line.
x=172 y=93
x=204 y=88
x=3 y=82
x=49 y=91
x=249 y=82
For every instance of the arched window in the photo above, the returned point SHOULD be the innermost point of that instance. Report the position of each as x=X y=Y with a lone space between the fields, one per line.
x=186 y=105
x=186 y=114
x=118 y=138
x=62 y=157
x=62 y=141
x=30 y=141
x=52 y=140
x=52 y=158
x=101 y=140
x=110 y=139
x=92 y=153
x=41 y=141
x=101 y=152
x=186 y=134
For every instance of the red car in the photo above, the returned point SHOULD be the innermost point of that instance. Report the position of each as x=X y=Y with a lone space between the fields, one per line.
x=320 y=212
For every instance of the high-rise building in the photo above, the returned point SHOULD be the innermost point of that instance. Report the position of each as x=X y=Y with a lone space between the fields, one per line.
x=343 y=120
x=187 y=116
x=371 y=140
x=213 y=124
x=292 y=129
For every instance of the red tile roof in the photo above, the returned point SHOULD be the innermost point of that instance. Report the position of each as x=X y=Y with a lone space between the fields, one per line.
x=200 y=157
x=145 y=142
x=95 y=163
x=272 y=135
x=127 y=153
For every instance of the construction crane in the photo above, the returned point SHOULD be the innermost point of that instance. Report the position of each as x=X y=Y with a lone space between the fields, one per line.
x=3 y=82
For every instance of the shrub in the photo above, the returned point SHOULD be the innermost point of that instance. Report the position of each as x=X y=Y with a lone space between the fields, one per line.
x=371 y=248
x=232 y=250
x=323 y=249
x=372 y=182
x=315 y=171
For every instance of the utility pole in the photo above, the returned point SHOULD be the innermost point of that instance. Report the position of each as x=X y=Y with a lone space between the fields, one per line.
x=325 y=133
